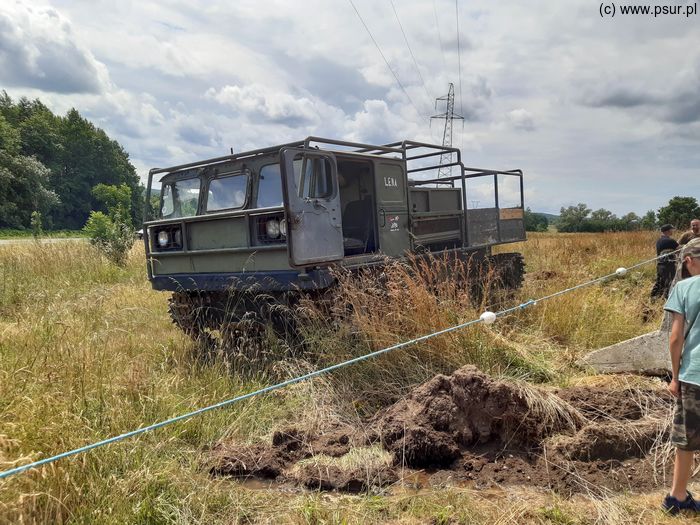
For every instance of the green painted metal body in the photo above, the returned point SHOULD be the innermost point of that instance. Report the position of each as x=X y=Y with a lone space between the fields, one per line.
x=355 y=199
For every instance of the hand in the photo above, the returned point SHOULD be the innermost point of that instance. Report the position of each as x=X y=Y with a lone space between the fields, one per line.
x=675 y=388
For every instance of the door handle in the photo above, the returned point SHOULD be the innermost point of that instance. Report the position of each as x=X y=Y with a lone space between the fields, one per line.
x=382 y=214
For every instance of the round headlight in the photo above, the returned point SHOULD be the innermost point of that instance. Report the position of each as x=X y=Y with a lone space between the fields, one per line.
x=283 y=227
x=272 y=228
x=163 y=238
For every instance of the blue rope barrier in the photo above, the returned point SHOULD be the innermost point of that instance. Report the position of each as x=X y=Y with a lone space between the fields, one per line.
x=299 y=379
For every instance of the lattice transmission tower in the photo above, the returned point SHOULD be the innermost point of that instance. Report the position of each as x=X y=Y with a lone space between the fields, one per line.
x=449 y=116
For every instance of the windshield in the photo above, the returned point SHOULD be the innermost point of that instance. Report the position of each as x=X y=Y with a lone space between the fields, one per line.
x=180 y=198
x=227 y=192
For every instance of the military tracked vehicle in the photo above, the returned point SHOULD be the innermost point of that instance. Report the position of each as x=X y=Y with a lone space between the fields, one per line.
x=236 y=238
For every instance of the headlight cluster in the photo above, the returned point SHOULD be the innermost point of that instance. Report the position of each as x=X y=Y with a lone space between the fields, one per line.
x=167 y=238
x=269 y=229
x=163 y=238
x=274 y=228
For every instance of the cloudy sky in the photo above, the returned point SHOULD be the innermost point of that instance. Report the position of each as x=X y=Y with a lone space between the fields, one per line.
x=604 y=111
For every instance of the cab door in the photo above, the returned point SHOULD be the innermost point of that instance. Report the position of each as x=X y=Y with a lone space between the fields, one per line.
x=392 y=208
x=312 y=206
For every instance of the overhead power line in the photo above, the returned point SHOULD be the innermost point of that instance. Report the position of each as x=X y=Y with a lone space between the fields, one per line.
x=437 y=26
x=386 y=61
x=459 y=58
x=415 y=62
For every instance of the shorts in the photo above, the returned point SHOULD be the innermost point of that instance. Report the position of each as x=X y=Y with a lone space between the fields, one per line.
x=685 y=433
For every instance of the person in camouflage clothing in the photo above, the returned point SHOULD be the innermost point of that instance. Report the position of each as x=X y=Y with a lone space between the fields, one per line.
x=684 y=305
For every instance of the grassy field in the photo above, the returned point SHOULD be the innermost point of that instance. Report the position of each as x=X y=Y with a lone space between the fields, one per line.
x=87 y=351
x=52 y=234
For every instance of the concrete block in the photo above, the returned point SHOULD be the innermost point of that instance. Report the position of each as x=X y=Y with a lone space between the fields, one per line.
x=646 y=354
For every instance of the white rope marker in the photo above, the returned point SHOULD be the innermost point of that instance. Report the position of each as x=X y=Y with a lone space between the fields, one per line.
x=488 y=317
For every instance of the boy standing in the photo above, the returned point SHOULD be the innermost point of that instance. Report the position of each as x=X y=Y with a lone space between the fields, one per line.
x=684 y=304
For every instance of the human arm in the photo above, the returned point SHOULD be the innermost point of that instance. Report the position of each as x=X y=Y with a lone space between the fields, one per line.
x=677 y=340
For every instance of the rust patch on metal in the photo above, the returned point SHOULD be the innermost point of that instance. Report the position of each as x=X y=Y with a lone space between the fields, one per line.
x=511 y=213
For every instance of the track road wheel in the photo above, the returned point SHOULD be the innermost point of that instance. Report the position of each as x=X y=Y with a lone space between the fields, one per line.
x=509 y=270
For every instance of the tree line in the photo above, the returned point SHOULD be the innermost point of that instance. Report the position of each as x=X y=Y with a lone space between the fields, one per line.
x=54 y=171
x=50 y=164
x=580 y=218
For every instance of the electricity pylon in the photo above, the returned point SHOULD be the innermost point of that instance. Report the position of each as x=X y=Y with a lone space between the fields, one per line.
x=449 y=116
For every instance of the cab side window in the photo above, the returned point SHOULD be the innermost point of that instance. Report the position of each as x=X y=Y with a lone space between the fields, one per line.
x=270 y=186
x=316 y=182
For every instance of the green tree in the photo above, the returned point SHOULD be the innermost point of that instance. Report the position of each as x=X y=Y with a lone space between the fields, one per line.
x=40 y=136
x=24 y=180
x=648 y=222
x=114 y=238
x=117 y=200
x=573 y=218
x=23 y=188
x=600 y=221
x=679 y=212
x=113 y=234
x=77 y=154
x=535 y=222
x=9 y=137
x=8 y=109
x=630 y=221
x=36 y=224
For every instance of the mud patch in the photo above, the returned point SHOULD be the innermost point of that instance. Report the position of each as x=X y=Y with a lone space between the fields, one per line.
x=333 y=477
x=616 y=404
x=613 y=440
x=440 y=418
x=288 y=446
x=469 y=429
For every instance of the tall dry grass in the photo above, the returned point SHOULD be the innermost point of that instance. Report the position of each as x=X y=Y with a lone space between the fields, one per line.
x=593 y=317
x=87 y=351
x=540 y=343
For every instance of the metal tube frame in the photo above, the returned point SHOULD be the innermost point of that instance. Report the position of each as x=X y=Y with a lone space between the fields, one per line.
x=401 y=148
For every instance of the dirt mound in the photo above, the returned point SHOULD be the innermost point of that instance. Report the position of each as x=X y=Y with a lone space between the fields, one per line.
x=438 y=419
x=615 y=404
x=269 y=461
x=470 y=429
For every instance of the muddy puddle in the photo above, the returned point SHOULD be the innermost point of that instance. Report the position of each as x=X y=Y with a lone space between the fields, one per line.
x=470 y=430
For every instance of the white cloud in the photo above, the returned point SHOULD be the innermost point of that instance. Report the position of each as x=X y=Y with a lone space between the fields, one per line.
x=605 y=102
x=38 y=49
x=521 y=119
x=262 y=104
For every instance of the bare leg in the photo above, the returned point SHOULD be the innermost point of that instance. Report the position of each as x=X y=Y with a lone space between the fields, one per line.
x=681 y=473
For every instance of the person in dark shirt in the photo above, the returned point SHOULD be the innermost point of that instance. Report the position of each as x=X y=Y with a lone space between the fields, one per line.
x=665 y=266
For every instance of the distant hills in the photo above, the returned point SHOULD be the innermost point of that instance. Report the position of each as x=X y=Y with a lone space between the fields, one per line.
x=550 y=217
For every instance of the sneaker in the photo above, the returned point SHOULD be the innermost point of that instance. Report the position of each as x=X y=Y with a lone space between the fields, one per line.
x=674 y=506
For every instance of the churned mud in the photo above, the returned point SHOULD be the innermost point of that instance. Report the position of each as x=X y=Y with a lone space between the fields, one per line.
x=469 y=429
x=449 y=414
x=268 y=461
